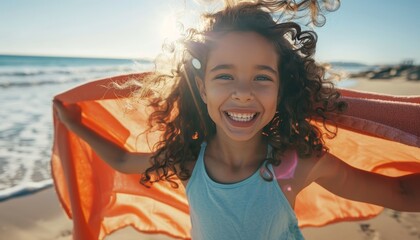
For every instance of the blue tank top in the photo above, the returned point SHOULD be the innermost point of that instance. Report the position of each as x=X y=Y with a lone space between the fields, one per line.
x=250 y=209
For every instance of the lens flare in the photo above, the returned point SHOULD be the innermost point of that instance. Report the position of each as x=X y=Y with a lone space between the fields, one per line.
x=287 y=167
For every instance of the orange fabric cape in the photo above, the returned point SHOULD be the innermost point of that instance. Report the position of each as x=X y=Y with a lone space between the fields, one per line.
x=378 y=133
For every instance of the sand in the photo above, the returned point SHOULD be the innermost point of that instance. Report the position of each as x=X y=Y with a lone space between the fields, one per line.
x=40 y=216
x=396 y=86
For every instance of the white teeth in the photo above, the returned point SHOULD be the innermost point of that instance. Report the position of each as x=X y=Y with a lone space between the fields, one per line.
x=241 y=117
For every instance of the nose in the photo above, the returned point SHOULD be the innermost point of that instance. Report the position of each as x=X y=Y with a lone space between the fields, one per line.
x=243 y=92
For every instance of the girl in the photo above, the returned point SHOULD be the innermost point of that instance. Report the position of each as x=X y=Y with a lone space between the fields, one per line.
x=238 y=129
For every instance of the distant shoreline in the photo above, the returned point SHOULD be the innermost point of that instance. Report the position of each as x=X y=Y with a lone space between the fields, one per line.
x=406 y=70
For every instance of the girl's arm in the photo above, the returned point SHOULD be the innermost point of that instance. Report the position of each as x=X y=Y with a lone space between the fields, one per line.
x=399 y=193
x=116 y=156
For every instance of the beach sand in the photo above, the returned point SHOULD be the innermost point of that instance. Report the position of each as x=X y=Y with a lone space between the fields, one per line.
x=40 y=216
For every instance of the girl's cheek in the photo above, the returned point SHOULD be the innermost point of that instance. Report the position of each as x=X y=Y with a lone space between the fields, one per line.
x=267 y=91
x=218 y=90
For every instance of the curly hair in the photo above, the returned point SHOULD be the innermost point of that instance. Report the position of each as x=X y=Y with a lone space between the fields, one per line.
x=306 y=94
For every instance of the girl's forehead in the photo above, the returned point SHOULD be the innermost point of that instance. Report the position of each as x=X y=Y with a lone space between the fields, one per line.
x=242 y=47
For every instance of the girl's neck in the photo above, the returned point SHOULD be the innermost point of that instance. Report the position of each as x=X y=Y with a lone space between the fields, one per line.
x=237 y=154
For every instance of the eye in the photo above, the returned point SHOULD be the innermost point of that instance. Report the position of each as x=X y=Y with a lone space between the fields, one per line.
x=263 y=78
x=224 y=77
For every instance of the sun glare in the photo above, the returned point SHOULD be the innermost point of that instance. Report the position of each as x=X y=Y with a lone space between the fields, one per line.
x=171 y=27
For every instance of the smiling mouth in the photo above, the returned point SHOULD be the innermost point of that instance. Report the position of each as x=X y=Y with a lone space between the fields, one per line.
x=241 y=117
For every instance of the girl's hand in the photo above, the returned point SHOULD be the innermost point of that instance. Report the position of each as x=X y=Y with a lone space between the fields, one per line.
x=114 y=155
x=69 y=115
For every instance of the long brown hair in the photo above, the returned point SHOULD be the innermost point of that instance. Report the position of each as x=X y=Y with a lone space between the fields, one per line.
x=305 y=93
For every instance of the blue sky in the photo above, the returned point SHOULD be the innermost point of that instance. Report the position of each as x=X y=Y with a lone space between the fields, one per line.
x=361 y=31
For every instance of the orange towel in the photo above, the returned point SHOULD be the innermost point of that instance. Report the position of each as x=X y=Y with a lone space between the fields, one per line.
x=378 y=133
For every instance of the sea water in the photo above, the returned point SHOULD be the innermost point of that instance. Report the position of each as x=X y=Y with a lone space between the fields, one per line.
x=27 y=86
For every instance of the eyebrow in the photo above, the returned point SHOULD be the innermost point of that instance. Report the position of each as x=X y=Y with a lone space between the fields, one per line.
x=230 y=66
x=267 y=68
x=221 y=67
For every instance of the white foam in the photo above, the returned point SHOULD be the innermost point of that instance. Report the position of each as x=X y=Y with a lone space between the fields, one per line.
x=24 y=189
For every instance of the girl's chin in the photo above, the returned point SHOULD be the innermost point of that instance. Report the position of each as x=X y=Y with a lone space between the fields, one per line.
x=235 y=135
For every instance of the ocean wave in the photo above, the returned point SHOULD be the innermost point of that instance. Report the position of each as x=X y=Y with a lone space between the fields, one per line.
x=24 y=189
x=24 y=72
x=32 y=83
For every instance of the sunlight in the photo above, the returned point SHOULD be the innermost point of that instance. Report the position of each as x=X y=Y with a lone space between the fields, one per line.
x=171 y=27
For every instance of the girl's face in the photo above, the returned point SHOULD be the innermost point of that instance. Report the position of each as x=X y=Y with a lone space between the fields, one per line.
x=241 y=85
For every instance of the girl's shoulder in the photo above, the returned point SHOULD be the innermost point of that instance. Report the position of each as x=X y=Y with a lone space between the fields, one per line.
x=325 y=165
x=291 y=162
x=299 y=171
x=294 y=174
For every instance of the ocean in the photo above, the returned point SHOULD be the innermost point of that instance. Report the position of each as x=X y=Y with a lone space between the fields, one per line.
x=27 y=86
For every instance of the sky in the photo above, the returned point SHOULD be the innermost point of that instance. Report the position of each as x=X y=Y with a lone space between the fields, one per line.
x=370 y=32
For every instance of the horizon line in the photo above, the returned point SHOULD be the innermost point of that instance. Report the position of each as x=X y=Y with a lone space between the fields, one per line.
x=73 y=56
x=152 y=59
